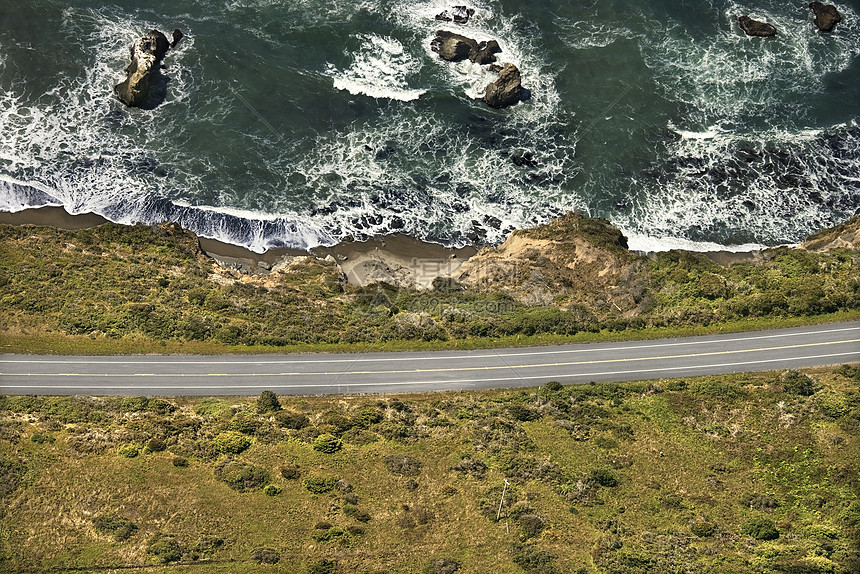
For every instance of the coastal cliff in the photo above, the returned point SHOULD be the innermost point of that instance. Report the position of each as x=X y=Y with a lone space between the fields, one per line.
x=118 y=289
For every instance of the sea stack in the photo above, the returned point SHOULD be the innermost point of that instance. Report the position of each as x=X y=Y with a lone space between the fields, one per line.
x=826 y=16
x=756 y=28
x=507 y=90
x=146 y=56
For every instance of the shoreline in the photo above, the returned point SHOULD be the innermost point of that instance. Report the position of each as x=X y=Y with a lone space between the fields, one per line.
x=398 y=258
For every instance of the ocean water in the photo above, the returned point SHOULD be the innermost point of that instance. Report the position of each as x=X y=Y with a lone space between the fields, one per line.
x=301 y=123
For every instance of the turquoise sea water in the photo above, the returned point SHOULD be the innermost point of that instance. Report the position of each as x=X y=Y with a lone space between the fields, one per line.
x=302 y=123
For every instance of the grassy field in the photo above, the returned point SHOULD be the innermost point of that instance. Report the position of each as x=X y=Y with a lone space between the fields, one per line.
x=748 y=473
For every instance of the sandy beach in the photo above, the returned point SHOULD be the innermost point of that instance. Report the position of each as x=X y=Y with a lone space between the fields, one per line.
x=396 y=259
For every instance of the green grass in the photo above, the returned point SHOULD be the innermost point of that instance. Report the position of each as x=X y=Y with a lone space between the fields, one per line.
x=603 y=478
x=117 y=290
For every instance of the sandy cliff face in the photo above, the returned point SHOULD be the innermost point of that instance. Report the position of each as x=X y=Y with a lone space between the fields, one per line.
x=844 y=236
x=573 y=258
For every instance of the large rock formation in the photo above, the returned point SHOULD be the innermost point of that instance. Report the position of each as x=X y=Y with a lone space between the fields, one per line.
x=756 y=27
x=146 y=56
x=453 y=47
x=507 y=90
x=826 y=16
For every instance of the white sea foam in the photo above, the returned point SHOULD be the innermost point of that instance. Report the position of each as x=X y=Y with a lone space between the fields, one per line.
x=637 y=241
x=381 y=68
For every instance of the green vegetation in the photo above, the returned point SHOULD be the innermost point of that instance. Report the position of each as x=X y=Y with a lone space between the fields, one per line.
x=117 y=289
x=742 y=474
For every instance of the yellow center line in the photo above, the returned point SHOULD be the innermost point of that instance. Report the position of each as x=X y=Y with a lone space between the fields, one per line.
x=459 y=369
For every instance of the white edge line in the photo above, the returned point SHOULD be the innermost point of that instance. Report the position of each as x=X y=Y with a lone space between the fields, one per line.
x=581 y=347
x=458 y=382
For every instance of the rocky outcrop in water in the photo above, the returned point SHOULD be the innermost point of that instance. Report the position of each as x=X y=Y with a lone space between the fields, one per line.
x=457 y=14
x=756 y=28
x=507 y=90
x=146 y=56
x=826 y=16
x=453 y=47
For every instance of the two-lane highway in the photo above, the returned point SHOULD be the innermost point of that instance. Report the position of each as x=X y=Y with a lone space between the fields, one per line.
x=430 y=371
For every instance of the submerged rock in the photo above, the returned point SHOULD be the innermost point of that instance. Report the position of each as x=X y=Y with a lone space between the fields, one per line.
x=146 y=56
x=826 y=16
x=756 y=28
x=507 y=90
x=453 y=47
x=177 y=35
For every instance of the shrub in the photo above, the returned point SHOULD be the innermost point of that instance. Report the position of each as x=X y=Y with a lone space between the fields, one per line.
x=553 y=386
x=441 y=566
x=117 y=526
x=354 y=512
x=476 y=468
x=403 y=465
x=164 y=548
x=206 y=546
x=154 y=444
x=231 y=442
x=241 y=476
x=180 y=462
x=290 y=472
x=534 y=560
x=265 y=556
x=134 y=404
x=796 y=383
x=268 y=402
x=523 y=413
x=245 y=424
x=42 y=437
x=760 y=528
x=272 y=490
x=330 y=534
x=128 y=450
x=323 y=566
x=532 y=525
x=319 y=484
x=327 y=443
x=603 y=477
x=703 y=528
x=292 y=420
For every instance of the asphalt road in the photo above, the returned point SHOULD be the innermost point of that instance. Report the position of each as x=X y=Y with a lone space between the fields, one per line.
x=834 y=343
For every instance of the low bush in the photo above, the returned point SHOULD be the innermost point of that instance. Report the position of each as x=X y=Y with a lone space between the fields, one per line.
x=796 y=383
x=265 y=556
x=534 y=560
x=39 y=437
x=164 y=548
x=603 y=477
x=180 y=461
x=291 y=420
x=472 y=467
x=531 y=524
x=327 y=443
x=403 y=465
x=268 y=402
x=272 y=490
x=760 y=528
x=119 y=527
x=319 y=484
x=231 y=442
x=703 y=528
x=290 y=472
x=441 y=566
x=128 y=450
x=356 y=513
x=323 y=566
x=241 y=476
